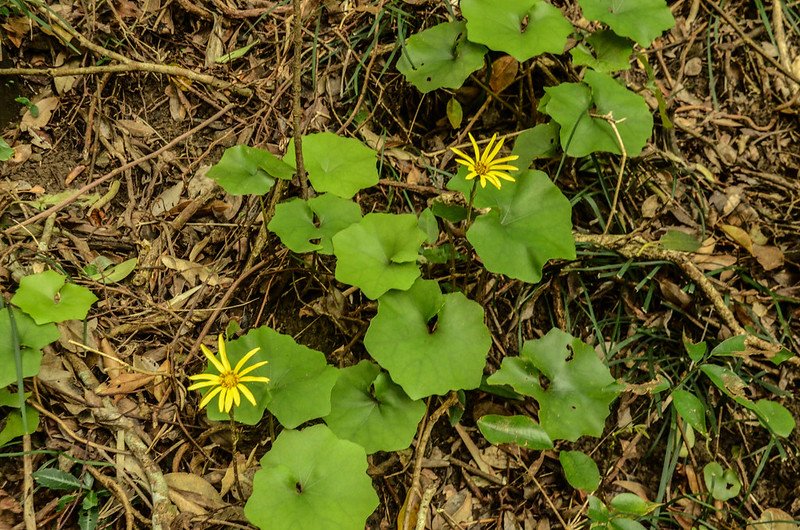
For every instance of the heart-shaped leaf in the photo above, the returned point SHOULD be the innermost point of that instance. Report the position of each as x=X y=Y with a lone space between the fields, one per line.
x=582 y=108
x=336 y=164
x=47 y=298
x=306 y=226
x=369 y=409
x=440 y=57
x=580 y=470
x=245 y=170
x=32 y=338
x=312 y=479
x=520 y=430
x=522 y=28
x=723 y=484
x=429 y=342
x=641 y=20
x=529 y=224
x=379 y=253
x=300 y=383
x=574 y=402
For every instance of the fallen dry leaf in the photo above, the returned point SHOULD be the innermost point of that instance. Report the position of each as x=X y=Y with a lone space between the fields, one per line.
x=774 y=519
x=739 y=236
x=192 y=493
x=768 y=257
x=46 y=107
x=504 y=71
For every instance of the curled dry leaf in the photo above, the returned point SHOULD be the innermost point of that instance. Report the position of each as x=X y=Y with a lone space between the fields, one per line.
x=504 y=71
x=45 y=108
x=192 y=493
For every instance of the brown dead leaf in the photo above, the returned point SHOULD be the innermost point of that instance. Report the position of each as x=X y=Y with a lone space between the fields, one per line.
x=193 y=272
x=673 y=293
x=713 y=262
x=774 y=519
x=127 y=383
x=504 y=71
x=22 y=152
x=726 y=202
x=16 y=28
x=46 y=107
x=167 y=199
x=192 y=493
x=137 y=127
x=768 y=257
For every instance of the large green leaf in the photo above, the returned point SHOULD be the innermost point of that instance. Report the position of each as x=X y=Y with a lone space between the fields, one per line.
x=48 y=298
x=723 y=484
x=369 y=409
x=691 y=409
x=336 y=164
x=529 y=224
x=574 y=401
x=440 y=57
x=429 y=342
x=32 y=338
x=245 y=170
x=312 y=479
x=538 y=142
x=641 y=20
x=306 y=226
x=300 y=380
x=522 y=28
x=12 y=424
x=379 y=253
x=578 y=108
x=520 y=430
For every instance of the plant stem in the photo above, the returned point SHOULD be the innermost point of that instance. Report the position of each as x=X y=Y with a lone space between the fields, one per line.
x=469 y=204
x=234 y=443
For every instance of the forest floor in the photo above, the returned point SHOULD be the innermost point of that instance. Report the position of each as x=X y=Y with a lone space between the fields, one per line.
x=724 y=170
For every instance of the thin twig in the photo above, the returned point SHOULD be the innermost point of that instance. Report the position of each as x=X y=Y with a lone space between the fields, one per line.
x=613 y=123
x=135 y=66
x=110 y=175
x=297 y=110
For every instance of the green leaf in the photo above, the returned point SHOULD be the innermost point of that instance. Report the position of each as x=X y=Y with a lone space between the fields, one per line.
x=107 y=272
x=429 y=342
x=440 y=57
x=300 y=383
x=580 y=470
x=697 y=351
x=609 y=52
x=520 y=373
x=32 y=338
x=13 y=424
x=677 y=240
x=520 y=430
x=620 y=523
x=521 y=28
x=723 y=484
x=306 y=226
x=570 y=104
x=55 y=479
x=726 y=380
x=312 y=479
x=369 y=409
x=597 y=511
x=579 y=389
x=691 y=409
x=729 y=347
x=641 y=20
x=236 y=54
x=88 y=519
x=6 y=151
x=529 y=224
x=336 y=164
x=428 y=224
x=379 y=253
x=539 y=142
x=631 y=504
x=455 y=114
x=47 y=298
x=774 y=417
x=245 y=170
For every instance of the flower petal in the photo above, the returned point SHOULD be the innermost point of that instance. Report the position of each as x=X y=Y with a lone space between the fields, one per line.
x=471 y=175
x=229 y=397
x=500 y=174
x=212 y=358
x=249 y=395
x=254 y=379
x=463 y=155
x=486 y=152
x=208 y=397
x=252 y=367
x=244 y=359
x=204 y=377
x=505 y=159
x=502 y=167
x=223 y=355
x=237 y=399
x=475 y=147
x=204 y=384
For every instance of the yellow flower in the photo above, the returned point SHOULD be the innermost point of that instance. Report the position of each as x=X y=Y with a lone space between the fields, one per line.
x=229 y=382
x=484 y=165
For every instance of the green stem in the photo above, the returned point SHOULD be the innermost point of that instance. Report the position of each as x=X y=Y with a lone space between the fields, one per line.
x=469 y=205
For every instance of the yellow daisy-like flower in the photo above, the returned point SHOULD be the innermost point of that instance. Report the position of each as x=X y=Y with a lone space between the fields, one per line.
x=484 y=165
x=229 y=382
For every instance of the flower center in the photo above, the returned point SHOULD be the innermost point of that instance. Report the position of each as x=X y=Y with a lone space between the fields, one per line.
x=481 y=168
x=228 y=380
